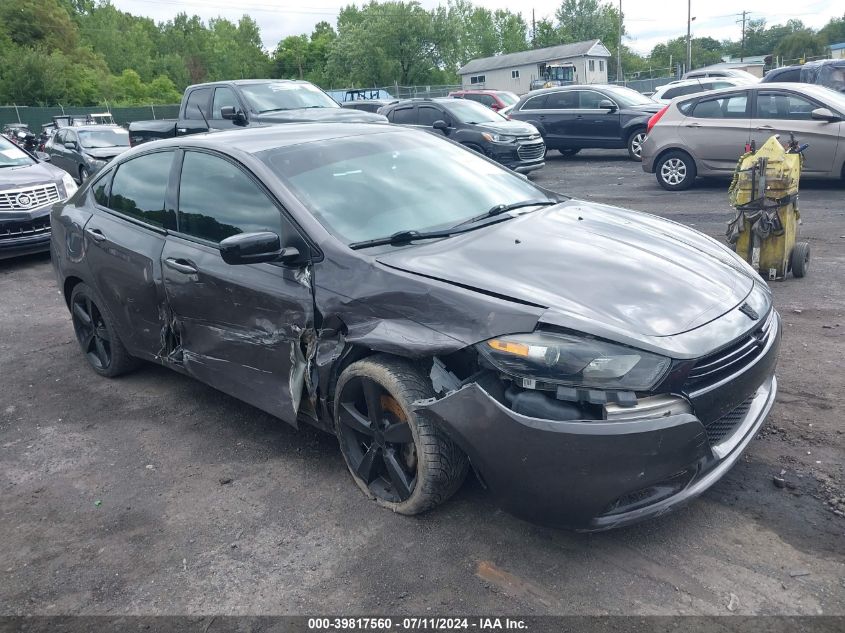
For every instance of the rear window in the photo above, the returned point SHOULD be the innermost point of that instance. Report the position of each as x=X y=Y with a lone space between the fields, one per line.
x=198 y=102
x=727 y=107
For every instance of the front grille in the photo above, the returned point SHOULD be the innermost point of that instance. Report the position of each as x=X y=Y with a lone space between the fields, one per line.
x=732 y=358
x=531 y=151
x=725 y=426
x=28 y=197
x=24 y=228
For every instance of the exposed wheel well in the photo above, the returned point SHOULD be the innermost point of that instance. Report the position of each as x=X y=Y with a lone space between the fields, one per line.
x=68 y=287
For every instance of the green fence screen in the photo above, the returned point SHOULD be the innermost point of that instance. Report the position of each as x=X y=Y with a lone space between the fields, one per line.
x=34 y=117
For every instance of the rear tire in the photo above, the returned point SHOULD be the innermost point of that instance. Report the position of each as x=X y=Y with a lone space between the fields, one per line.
x=800 y=259
x=97 y=334
x=635 y=144
x=675 y=171
x=397 y=456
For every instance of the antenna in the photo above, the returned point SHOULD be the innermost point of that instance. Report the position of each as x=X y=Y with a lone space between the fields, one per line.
x=207 y=126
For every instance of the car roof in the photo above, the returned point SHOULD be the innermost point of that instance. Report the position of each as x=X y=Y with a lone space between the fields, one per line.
x=812 y=90
x=258 y=139
x=477 y=92
x=696 y=81
x=541 y=91
x=249 y=82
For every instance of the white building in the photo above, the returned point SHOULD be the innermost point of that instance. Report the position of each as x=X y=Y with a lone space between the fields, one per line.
x=515 y=71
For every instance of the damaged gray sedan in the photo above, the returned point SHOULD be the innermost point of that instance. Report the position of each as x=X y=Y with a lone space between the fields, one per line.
x=593 y=366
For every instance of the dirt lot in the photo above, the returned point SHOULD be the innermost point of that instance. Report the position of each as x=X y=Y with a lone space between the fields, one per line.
x=154 y=494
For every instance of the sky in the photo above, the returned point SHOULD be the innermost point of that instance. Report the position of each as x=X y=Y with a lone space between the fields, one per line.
x=645 y=27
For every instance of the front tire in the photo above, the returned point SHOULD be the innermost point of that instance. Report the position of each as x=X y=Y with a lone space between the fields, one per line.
x=84 y=174
x=97 y=335
x=675 y=171
x=569 y=152
x=397 y=456
x=635 y=144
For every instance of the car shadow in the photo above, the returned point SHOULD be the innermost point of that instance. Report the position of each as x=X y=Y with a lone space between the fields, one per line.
x=13 y=264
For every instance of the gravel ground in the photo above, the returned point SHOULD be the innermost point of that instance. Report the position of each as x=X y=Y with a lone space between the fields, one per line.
x=154 y=494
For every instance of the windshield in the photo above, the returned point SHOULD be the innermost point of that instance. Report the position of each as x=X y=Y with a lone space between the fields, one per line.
x=370 y=186
x=627 y=97
x=508 y=97
x=107 y=137
x=470 y=112
x=272 y=97
x=13 y=156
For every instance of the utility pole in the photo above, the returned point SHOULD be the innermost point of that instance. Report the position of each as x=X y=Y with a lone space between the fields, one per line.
x=534 y=30
x=689 y=41
x=619 y=76
x=742 y=47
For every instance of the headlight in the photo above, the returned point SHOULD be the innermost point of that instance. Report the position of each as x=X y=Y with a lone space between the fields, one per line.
x=498 y=138
x=574 y=360
x=70 y=185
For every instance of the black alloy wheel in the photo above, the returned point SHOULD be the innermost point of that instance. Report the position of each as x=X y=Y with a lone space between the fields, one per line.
x=91 y=332
x=378 y=440
x=398 y=456
x=97 y=335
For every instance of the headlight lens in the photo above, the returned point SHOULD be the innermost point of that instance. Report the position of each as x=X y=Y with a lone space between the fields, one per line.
x=498 y=138
x=69 y=184
x=574 y=360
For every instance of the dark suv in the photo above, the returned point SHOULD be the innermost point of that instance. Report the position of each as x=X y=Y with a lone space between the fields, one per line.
x=573 y=118
x=514 y=144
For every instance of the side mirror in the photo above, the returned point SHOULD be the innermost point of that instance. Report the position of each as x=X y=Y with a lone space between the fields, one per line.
x=70 y=145
x=231 y=114
x=824 y=114
x=255 y=248
x=441 y=125
x=607 y=104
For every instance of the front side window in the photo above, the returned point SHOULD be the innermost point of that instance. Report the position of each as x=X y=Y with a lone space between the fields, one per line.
x=198 y=103
x=218 y=200
x=783 y=107
x=369 y=186
x=101 y=190
x=139 y=187
x=728 y=107
x=223 y=97
x=428 y=115
x=590 y=100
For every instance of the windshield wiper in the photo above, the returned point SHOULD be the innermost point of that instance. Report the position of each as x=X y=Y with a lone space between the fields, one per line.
x=503 y=208
x=401 y=238
x=274 y=110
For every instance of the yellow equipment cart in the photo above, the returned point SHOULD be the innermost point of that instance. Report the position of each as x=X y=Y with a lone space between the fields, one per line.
x=764 y=193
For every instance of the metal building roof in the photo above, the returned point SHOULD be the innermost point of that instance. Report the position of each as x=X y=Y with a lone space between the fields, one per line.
x=536 y=56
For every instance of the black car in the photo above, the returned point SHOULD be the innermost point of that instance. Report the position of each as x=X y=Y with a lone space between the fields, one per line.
x=367 y=105
x=513 y=144
x=573 y=118
x=83 y=150
x=594 y=365
x=791 y=74
x=28 y=188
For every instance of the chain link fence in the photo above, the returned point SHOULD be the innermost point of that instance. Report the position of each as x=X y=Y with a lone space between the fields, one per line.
x=36 y=116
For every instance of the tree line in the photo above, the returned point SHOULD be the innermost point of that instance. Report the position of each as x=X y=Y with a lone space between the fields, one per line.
x=87 y=52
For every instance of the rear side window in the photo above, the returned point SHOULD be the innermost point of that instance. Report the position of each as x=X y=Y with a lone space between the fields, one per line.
x=218 y=200
x=562 y=101
x=138 y=189
x=683 y=90
x=198 y=102
x=406 y=116
x=728 y=107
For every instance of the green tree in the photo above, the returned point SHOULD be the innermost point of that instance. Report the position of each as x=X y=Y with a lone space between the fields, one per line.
x=834 y=31
x=798 y=46
x=580 y=20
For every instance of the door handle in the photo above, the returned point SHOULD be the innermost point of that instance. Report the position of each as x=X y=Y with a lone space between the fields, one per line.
x=181 y=130
x=95 y=234
x=765 y=127
x=180 y=265
x=693 y=124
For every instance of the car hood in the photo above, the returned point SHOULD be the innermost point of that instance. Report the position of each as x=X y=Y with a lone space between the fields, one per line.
x=517 y=128
x=625 y=270
x=320 y=114
x=104 y=153
x=38 y=174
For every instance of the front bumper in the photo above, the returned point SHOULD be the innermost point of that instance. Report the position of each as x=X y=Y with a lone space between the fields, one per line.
x=596 y=475
x=522 y=157
x=25 y=233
